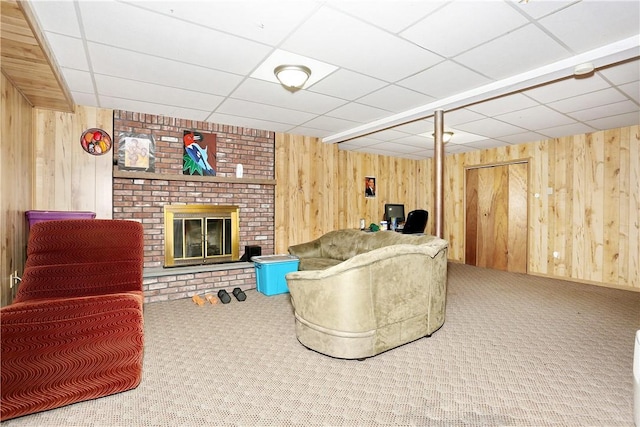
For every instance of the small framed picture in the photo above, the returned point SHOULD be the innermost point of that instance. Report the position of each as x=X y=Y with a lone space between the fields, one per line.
x=369 y=186
x=136 y=152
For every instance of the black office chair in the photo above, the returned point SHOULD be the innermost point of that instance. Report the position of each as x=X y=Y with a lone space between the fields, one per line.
x=416 y=222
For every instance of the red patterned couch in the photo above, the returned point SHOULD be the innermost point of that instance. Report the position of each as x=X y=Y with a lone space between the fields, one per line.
x=74 y=331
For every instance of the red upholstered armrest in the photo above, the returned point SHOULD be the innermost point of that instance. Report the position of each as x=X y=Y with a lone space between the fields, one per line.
x=78 y=280
x=61 y=351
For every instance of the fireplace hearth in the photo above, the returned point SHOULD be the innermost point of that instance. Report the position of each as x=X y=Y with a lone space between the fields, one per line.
x=200 y=234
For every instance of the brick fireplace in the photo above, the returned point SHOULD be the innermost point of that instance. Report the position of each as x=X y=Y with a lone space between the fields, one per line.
x=142 y=196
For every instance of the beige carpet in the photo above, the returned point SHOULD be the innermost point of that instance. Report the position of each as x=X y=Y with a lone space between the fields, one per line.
x=514 y=350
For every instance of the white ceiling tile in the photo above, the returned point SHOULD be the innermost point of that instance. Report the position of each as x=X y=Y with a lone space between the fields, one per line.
x=417 y=127
x=632 y=90
x=242 y=121
x=490 y=128
x=392 y=16
x=358 y=113
x=566 y=88
x=524 y=137
x=486 y=144
x=151 y=108
x=257 y=20
x=588 y=100
x=83 y=98
x=564 y=130
x=504 y=104
x=305 y=130
x=80 y=80
x=129 y=29
x=456 y=28
x=254 y=110
x=599 y=23
x=151 y=69
x=535 y=118
x=622 y=73
x=460 y=116
x=444 y=79
x=460 y=137
x=274 y=94
x=623 y=120
x=155 y=94
x=69 y=51
x=606 y=111
x=528 y=48
x=395 y=98
x=417 y=141
x=334 y=124
x=57 y=17
x=347 y=84
x=360 y=46
x=538 y=9
x=388 y=135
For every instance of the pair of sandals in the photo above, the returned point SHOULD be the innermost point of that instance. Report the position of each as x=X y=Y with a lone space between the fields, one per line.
x=223 y=295
x=226 y=299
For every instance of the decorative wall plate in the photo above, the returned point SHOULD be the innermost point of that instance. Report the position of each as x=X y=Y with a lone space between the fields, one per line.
x=95 y=141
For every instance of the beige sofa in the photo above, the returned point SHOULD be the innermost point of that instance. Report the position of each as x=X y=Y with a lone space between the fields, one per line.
x=358 y=294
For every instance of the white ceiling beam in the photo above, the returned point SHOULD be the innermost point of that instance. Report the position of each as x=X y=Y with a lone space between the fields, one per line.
x=619 y=51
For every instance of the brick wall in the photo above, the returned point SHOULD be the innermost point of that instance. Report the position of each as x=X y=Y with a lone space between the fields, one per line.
x=143 y=199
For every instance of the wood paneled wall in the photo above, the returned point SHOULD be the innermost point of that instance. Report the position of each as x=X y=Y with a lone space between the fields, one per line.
x=584 y=203
x=321 y=188
x=16 y=155
x=583 y=200
x=66 y=177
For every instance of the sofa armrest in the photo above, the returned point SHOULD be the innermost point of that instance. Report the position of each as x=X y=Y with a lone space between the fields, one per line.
x=312 y=249
x=78 y=280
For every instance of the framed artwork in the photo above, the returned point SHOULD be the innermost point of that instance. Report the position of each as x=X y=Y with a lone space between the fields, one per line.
x=369 y=186
x=136 y=152
x=200 y=152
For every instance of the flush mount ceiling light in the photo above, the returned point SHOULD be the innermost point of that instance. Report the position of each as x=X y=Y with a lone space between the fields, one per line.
x=446 y=136
x=292 y=77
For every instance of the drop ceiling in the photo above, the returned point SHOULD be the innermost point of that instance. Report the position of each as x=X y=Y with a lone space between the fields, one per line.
x=500 y=70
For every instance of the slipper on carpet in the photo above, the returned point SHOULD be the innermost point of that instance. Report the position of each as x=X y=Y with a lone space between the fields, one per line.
x=240 y=296
x=224 y=296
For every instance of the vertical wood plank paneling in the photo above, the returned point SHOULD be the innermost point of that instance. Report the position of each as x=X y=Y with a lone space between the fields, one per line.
x=594 y=209
x=16 y=157
x=579 y=256
x=611 y=211
x=67 y=178
x=471 y=227
x=561 y=204
x=633 y=208
x=517 y=217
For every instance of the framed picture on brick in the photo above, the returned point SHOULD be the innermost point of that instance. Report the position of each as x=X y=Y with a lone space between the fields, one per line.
x=199 y=153
x=136 y=152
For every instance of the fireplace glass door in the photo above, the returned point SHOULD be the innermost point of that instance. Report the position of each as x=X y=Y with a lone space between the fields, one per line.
x=200 y=236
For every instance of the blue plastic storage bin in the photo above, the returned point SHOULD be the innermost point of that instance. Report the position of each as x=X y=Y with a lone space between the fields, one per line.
x=270 y=272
